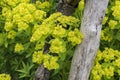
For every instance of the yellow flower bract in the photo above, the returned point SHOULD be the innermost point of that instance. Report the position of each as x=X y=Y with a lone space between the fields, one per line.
x=19 y=47
x=37 y=57
x=57 y=46
x=5 y=77
x=107 y=63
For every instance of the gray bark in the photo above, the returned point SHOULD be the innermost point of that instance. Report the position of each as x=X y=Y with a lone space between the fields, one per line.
x=42 y=73
x=67 y=7
x=85 y=53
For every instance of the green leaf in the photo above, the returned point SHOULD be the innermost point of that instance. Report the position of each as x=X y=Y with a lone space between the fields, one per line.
x=26 y=45
x=62 y=56
x=117 y=26
x=118 y=36
x=22 y=76
x=2 y=38
x=22 y=71
x=25 y=71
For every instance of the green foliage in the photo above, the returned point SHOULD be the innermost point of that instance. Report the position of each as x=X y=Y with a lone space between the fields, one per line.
x=26 y=71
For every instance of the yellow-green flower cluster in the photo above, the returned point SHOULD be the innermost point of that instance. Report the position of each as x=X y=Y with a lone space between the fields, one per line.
x=59 y=32
x=5 y=77
x=55 y=32
x=26 y=12
x=107 y=63
x=39 y=15
x=22 y=26
x=105 y=20
x=19 y=47
x=75 y=37
x=11 y=34
x=50 y=62
x=45 y=6
x=81 y=5
x=40 y=45
x=12 y=3
x=57 y=46
x=37 y=57
x=49 y=27
x=105 y=36
x=68 y=20
x=8 y=26
x=117 y=62
x=108 y=54
x=97 y=72
x=20 y=16
x=109 y=71
x=116 y=10
x=112 y=24
x=42 y=32
x=52 y=20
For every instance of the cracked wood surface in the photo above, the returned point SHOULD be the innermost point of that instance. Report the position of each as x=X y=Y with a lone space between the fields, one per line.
x=85 y=53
